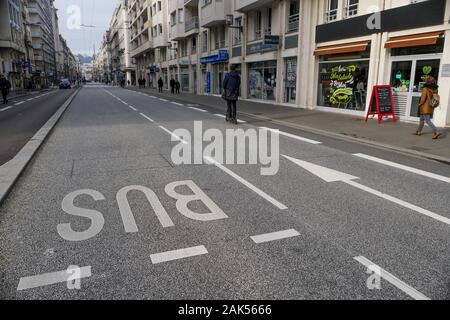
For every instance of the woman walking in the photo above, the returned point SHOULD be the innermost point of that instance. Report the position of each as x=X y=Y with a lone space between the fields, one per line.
x=428 y=102
x=231 y=88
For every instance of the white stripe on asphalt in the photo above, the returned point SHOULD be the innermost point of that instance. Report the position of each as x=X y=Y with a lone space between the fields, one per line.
x=392 y=279
x=222 y=116
x=398 y=201
x=178 y=104
x=19 y=103
x=173 y=135
x=403 y=167
x=51 y=278
x=255 y=189
x=151 y=96
x=7 y=108
x=178 y=254
x=132 y=108
x=292 y=136
x=30 y=99
x=149 y=119
x=163 y=100
x=275 y=236
x=197 y=109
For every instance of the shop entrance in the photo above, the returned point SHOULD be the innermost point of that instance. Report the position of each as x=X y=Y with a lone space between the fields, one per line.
x=407 y=78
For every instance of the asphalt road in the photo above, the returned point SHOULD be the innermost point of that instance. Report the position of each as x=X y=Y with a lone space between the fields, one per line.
x=21 y=118
x=367 y=230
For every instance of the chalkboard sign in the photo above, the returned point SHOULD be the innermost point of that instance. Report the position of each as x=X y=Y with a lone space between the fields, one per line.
x=382 y=103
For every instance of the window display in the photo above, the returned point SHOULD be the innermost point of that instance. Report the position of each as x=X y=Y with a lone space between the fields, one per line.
x=343 y=85
x=262 y=80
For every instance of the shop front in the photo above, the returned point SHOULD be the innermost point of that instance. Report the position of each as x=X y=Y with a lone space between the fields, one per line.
x=184 y=79
x=214 y=69
x=343 y=76
x=290 y=81
x=262 y=80
x=412 y=59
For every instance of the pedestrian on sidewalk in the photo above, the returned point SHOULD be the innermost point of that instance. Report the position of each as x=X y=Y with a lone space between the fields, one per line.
x=231 y=88
x=5 y=86
x=160 y=85
x=428 y=102
x=172 y=85
x=177 y=86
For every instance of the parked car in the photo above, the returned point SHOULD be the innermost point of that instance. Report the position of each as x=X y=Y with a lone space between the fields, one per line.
x=65 y=84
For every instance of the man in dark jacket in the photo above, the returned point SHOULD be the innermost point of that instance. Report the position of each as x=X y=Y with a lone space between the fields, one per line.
x=172 y=85
x=160 y=84
x=5 y=85
x=231 y=89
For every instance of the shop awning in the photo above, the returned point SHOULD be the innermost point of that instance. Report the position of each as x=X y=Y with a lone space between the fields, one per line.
x=421 y=39
x=342 y=48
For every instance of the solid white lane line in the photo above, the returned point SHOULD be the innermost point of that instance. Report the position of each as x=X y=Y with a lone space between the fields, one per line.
x=197 y=109
x=132 y=108
x=19 y=103
x=222 y=116
x=281 y=133
x=51 y=278
x=178 y=254
x=267 y=237
x=399 y=202
x=413 y=293
x=173 y=135
x=163 y=100
x=403 y=167
x=177 y=104
x=30 y=99
x=149 y=119
x=7 y=108
x=255 y=189
x=151 y=96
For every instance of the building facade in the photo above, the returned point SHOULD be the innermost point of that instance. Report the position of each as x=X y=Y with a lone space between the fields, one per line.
x=325 y=54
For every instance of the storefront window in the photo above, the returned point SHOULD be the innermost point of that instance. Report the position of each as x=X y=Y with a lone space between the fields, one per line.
x=401 y=76
x=290 y=80
x=343 y=84
x=262 y=80
x=185 y=79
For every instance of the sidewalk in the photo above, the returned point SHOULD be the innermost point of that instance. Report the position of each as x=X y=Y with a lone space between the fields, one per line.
x=398 y=136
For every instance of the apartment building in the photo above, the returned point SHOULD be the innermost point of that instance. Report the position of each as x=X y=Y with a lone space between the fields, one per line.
x=120 y=44
x=43 y=41
x=16 y=53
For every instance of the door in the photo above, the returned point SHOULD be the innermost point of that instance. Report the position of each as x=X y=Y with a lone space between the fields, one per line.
x=407 y=78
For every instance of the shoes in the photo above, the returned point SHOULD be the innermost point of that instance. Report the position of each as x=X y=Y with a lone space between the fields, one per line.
x=234 y=121
x=227 y=119
x=436 y=136
x=418 y=133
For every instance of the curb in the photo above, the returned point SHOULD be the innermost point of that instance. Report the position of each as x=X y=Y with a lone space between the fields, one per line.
x=339 y=136
x=28 y=94
x=11 y=170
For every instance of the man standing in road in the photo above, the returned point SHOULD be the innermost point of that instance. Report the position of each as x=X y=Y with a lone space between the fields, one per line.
x=5 y=85
x=231 y=88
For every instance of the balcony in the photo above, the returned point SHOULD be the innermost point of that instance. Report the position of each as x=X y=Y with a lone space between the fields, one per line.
x=214 y=13
x=144 y=47
x=190 y=3
x=191 y=26
x=177 y=31
x=248 y=5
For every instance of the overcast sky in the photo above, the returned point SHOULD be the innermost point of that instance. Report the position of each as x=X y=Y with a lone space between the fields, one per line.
x=96 y=13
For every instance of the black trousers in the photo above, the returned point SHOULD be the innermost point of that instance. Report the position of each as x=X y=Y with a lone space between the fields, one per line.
x=5 y=95
x=232 y=109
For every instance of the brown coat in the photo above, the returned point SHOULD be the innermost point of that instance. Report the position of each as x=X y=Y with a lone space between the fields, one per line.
x=424 y=108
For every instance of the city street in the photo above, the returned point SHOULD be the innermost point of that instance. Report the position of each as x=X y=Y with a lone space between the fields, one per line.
x=104 y=198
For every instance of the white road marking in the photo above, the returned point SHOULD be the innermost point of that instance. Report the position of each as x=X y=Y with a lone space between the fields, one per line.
x=151 y=96
x=132 y=108
x=178 y=254
x=178 y=104
x=293 y=136
x=149 y=119
x=173 y=135
x=255 y=189
x=275 y=236
x=163 y=100
x=50 y=278
x=19 y=103
x=399 y=202
x=413 y=293
x=30 y=99
x=7 y=108
x=197 y=109
x=403 y=167
x=222 y=116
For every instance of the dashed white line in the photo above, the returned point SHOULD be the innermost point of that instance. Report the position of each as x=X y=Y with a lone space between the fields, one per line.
x=173 y=135
x=163 y=100
x=177 y=104
x=7 y=108
x=178 y=254
x=30 y=99
x=255 y=189
x=293 y=136
x=149 y=119
x=197 y=109
x=132 y=108
x=403 y=167
x=392 y=279
x=51 y=278
x=222 y=116
x=19 y=103
x=267 y=237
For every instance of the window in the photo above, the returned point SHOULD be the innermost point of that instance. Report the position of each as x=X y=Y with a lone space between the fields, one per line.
x=237 y=31
x=194 y=45
x=331 y=10
x=220 y=37
x=294 y=16
x=258 y=25
x=351 y=8
x=205 y=41
x=160 y=28
x=173 y=18
x=159 y=6
x=180 y=16
x=268 y=21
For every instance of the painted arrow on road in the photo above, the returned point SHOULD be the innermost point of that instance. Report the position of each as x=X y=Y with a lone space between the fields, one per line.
x=330 y=175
